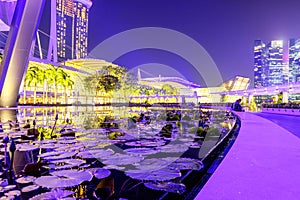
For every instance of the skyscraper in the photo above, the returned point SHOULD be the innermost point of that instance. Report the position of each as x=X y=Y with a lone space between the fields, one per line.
x=294 y=60
x=69 y=33
x=276 y=67
x=260 y=64
x=269 y=66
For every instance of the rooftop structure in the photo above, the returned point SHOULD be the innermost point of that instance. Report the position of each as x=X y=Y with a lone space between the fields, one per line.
x=236 y=83
x=158 y=82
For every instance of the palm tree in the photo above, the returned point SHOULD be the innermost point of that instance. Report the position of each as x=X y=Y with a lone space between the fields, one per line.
x=60 y=79
x=55 y=75
x=31 y=78
x=42 y=78
x=49 y=80
x=67 y=83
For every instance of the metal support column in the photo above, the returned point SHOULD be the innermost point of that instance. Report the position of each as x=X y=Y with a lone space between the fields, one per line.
x=22 y=32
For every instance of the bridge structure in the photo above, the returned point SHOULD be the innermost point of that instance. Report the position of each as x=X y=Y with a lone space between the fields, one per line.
x=286 y=89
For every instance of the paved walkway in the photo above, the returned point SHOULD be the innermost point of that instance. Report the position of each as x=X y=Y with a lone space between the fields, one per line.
x=263 y=163
x=288 y=122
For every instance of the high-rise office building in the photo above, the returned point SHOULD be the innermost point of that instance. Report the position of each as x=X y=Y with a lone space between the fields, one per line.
x=277 y=74
x=269 y=66
x=260 y=64
x=71 y=29
x=294 y=60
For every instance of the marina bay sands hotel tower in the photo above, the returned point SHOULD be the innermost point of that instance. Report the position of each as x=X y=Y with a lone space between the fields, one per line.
x=68 y=38
x=69 y=29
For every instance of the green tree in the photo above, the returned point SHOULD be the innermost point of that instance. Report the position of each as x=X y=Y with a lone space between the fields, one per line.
x=42 y=80
x=169 y=89
x=129 y=83
x=253 y=106
x=280 y=96
x=56 y=77
x=67 y=83
x=274 y=99
x=31 y=78
x=108 y=83
x=116 y=71
x=110 y=79
x=90 y=83
x=224 y=98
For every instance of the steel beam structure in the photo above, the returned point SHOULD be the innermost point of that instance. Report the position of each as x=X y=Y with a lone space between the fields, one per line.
x=22 y=32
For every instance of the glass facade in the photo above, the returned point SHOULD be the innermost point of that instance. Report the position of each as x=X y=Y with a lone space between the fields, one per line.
x=236 y=83
x=260 y=64
x=294 y=60
x=276 y=65
x=72 y=28
x=269 y=66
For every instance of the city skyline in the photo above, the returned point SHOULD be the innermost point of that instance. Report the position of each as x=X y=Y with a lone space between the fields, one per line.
x=146 y=57
x=276 y=62
x=294 y=60
x=227 y=30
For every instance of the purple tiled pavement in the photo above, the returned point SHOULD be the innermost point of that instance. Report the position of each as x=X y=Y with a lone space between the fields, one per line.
x=263 y=163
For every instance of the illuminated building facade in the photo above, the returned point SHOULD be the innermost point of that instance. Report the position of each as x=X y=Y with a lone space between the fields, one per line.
x=260 y=64
x=72 y=28
x=236 y=83
x=294 y=60
x=277 y=74
x=269 y=66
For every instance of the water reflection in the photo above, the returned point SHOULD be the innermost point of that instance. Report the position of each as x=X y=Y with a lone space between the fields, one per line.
x=130 y=144
x=8 y=115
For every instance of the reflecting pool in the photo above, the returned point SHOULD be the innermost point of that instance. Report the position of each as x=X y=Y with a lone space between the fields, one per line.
x=107 y=152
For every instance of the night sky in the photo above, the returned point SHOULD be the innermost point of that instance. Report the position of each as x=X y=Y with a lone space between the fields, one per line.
x=225 y=28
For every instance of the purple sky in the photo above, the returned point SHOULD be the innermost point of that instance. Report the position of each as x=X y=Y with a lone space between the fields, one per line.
x=225 y=28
